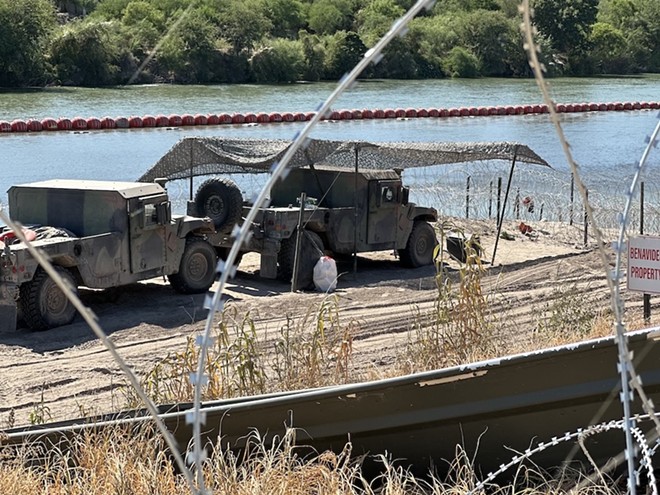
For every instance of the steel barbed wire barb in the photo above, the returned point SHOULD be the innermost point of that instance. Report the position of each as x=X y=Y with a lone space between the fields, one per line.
x=625 y=366
x=92 y=320
x=278 y=169
x=576 y=435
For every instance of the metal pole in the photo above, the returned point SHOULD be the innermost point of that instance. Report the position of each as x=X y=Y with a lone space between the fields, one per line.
x=499 y=197
x=355 y=214
x=467 y=198
x=490 y=200
x=192 y=156
x=517 y=205
x=299 y=234
x=646 y=297
x=506 y=196
x=586 y=218
x=570 y=211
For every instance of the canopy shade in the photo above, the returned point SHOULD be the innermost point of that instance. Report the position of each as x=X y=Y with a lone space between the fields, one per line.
x=198 y=156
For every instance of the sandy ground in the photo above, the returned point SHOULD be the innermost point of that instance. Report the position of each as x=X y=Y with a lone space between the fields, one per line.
x=69 y=372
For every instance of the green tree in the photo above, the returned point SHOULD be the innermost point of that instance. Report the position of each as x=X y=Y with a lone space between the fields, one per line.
x=639 y=23
x=242 y=22
x=460 y=62
x=85 y=53
x=376 y=18
x=566 y=23
x=608 y=52
x=25 y=27
x=281 y=61
x=330 y=16
x=287 y=17
x=344 y=51
x=313 y=49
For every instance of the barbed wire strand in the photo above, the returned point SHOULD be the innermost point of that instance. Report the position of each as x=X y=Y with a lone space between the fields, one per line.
x=227 y=268
x=92 y=320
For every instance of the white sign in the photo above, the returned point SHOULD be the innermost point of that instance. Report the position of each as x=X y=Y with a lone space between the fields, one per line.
x=644 y=264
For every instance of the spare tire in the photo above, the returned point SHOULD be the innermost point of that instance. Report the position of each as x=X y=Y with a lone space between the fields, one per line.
x=220 y=200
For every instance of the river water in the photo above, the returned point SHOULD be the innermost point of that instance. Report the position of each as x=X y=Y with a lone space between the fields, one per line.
x=607 y=145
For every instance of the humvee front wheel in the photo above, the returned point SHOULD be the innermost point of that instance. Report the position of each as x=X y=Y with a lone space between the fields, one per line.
x=43 y=304
x=220 y=200
x=197 y=268
x=420 y=247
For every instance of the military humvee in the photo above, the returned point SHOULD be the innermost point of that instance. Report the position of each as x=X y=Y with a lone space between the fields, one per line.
x=346 y=213
x=99 y=235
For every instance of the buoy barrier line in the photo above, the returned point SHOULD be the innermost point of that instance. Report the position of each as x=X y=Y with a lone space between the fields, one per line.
x=174 y=120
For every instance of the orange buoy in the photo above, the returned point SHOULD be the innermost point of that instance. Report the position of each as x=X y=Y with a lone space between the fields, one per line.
x=162 y=121
x=174 y=120
x=148 y=121
x=135 y=122
x=262 y=117
x=434 y=112
x=121 y=123
x=367 y=114
x=79 y=124
x=212 y=119
x=19 y=126
x=108 y=123
x=238 y=118
x=64 y=124
x=310 y=115
x=421 y=112
x=299 y=117
x=250 y=118
x=93 y=123
x=275 y=117
x=454 y=112
x=5 y=126
x=399 y=113
x=200 y=119
x=34 y=125
x=187 y=119
x=389 y=113
x=356 y=114
x=287 y=117
x=225 y=118
x=345 y=115
x=49 y=124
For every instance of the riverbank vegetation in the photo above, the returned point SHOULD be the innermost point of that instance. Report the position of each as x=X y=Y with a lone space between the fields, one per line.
x=113 y=42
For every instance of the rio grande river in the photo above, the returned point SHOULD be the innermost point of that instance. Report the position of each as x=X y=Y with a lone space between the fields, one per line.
x=606 y=144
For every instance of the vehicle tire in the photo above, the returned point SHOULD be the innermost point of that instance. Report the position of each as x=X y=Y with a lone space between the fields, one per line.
x=420 y=247
x=43 y=304
x=197 y=268
x=223 y=252
x=311 y=249
x=220 y=200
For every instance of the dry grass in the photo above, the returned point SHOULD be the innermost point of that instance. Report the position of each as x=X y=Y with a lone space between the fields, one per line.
x=313 y=350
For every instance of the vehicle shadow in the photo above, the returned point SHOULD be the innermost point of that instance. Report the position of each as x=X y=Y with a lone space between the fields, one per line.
x=149 y=303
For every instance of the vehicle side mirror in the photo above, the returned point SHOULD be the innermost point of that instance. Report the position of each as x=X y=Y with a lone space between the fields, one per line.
x=163 y=213
x=405 y=195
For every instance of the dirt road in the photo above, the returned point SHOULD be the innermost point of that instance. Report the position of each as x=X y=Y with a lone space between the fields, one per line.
x=66 y=372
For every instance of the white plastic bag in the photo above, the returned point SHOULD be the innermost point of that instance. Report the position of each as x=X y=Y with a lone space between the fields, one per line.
x=325 y=274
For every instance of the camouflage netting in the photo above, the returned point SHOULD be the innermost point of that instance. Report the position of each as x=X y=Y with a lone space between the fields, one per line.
x=207 y=156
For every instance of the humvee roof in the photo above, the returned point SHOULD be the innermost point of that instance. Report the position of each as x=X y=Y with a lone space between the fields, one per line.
x=125 y=189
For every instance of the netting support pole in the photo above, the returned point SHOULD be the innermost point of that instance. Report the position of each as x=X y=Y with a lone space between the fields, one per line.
x=570 y=211
x=499 y=197
x=355 y=214
x=490 y=201
x=299 y=234
x=192 y=156
x=467 y=198
x=586 y=219
x=500 y=219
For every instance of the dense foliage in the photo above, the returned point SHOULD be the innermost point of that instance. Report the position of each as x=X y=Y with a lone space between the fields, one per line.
x=110 y=42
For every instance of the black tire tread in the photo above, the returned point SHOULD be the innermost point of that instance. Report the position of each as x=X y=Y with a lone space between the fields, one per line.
x=409 y=256
x=29 y=298
x=232 y=197
x=179 y=281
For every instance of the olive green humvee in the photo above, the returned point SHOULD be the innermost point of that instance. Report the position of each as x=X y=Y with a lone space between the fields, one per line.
x=96 y=234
